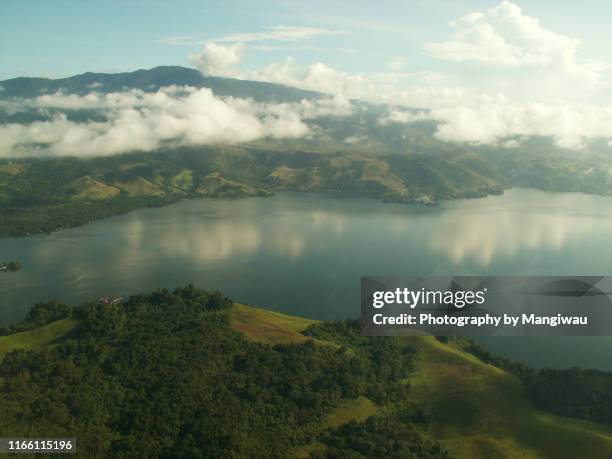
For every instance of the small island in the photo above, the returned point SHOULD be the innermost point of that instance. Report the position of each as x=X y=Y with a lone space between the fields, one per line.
x=9 y=266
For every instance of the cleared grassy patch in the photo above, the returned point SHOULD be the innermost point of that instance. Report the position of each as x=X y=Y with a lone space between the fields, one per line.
x=130 y=166
x=184 y=180
x=12 y=169
x=88 y=188
x=216 y=185
x=482 y=411
x=268 y=327
x=301 y=179
x=37 y=337
x=358 y=410
x=304 y=452
x=141 y=187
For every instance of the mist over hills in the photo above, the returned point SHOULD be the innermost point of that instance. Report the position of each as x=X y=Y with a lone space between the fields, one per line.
x=355 y=126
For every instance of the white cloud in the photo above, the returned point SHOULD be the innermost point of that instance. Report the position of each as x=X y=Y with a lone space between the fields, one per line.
x=221 y=60
x=337 y=106
x=181 y=40
x=494 y=120
x=278 y=33
x=491 y=121
x=397 y=64
x=463 y=115
x=328 y=79
x=317 y=77
x=378 y=87
x=137 y=120
x=403 y=116
x=217 y=59
x=352 y=139
x=504 y=36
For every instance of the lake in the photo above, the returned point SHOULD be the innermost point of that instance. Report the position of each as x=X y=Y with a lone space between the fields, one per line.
x=304 y=254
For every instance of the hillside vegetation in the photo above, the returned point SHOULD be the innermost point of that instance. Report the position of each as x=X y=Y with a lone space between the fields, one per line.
x=43 y=195
x=190 y=374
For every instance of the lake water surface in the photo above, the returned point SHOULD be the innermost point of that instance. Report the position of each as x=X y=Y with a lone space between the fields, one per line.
x=304 y=254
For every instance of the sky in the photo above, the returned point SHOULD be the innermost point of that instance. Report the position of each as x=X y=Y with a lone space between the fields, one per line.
x=62 y=38
x=485 y=70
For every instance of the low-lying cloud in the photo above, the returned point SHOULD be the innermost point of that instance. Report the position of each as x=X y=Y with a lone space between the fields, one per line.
x=493 y=120
x=139 y=121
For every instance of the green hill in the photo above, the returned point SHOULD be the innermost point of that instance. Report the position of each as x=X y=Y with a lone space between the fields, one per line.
x=190 y=374
x=477 y=410
x=43 y=195
x=482 y=411
x=87 y=188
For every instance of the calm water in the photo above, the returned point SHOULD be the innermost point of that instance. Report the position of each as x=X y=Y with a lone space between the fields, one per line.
x=304 y=254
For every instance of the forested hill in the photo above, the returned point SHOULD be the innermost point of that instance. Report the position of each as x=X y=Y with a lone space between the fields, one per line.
x=43 y=195
x=188 y=373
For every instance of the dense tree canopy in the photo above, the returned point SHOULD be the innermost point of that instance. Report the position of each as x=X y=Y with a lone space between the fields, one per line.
x=164 y=375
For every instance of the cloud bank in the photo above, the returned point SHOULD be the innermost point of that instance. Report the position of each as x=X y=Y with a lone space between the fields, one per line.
x=140 y=121
x=487 y=120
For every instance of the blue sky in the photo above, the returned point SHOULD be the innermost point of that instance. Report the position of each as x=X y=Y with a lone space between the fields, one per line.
x=61 y=38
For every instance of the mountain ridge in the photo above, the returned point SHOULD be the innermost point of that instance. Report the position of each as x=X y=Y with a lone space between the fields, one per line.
x=150 y=80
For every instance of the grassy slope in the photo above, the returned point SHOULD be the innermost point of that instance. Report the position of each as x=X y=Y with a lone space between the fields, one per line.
x=88 y=188
x=37 y=337
x=268 y=327
x=478 y=410
x=482 y=411
x=358 y=410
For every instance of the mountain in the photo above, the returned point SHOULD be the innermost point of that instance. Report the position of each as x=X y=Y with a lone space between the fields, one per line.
x=150 y=81
x=188 y=373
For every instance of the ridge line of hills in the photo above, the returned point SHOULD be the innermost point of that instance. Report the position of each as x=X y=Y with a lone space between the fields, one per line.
x=44 y=195
x=151 y=80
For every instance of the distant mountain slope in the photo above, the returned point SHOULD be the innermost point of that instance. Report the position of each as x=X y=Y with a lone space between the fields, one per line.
x=42 y=195
x=151 y=80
